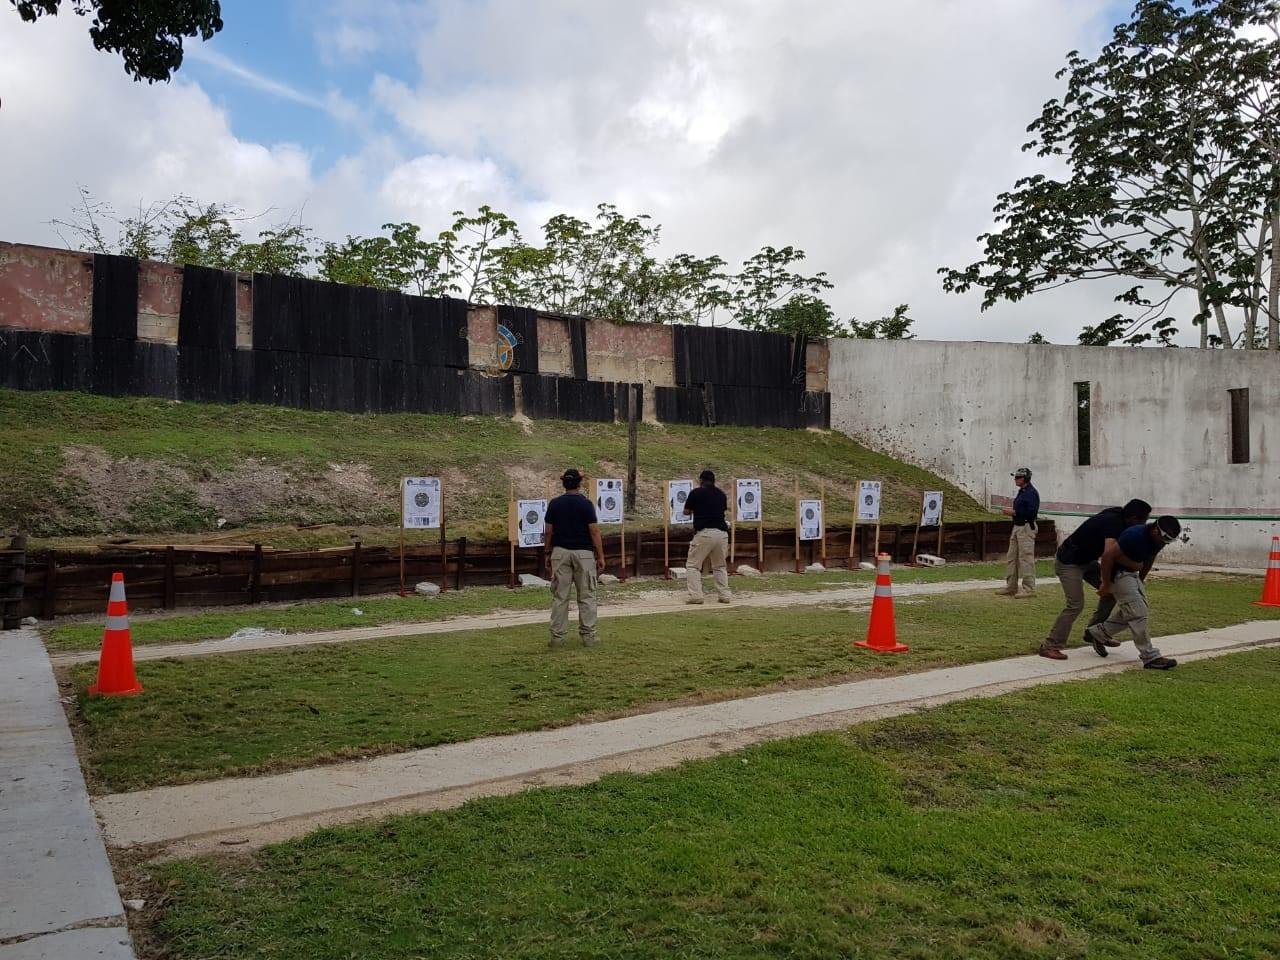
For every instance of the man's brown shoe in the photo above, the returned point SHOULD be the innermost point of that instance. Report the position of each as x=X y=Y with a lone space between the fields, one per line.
x=1052 y=653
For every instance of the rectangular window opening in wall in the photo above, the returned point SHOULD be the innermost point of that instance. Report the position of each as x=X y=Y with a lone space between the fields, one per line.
x=1083 y=427
x=1239 y=425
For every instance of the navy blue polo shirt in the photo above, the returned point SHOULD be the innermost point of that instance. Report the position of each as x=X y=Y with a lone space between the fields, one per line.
x=1136 y=544
x=571 y=516
x=1026 y=505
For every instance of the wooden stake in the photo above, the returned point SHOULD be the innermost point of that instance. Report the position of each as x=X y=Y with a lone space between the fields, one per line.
x=915 y=541
x=877 y=547
x=402 y=537
x=760 y=543
x=512 y=533
x=733 y=520
x=822 y=499
x=444 y=549
x=666 y=534
x=853 y=535
x=797 y=531
x=633 y=415
x=942 y=512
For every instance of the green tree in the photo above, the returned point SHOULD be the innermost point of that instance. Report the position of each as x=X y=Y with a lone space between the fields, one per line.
x=1170 y=140
x=147 y=34
x=767 y=281
x=896 y=326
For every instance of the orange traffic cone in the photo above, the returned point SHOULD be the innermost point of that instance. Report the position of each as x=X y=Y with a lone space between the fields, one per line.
x=1271 y=588
x=882 y=635
x=115 y=664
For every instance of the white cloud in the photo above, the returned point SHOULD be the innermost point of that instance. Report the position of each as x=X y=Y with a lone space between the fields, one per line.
x=874 y=137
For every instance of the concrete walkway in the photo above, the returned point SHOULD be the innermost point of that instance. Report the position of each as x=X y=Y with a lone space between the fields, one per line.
x=244 y=813
x=653 y=603
x=58 y=898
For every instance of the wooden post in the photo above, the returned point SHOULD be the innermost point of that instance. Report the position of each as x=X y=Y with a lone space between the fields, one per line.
x=512 y=533
x=941 y=522
x=255 y=584
x=876 y=552
x=170 y=587
x=915 y=540
x=982 y=541
x=760 y=543
x=732 y=521
x=49 y=600
x=632 y=418
x=639 y=547
x=797 y=530
x=666 y=534
x=355 y=569
x=622 y=548
x=462 y=562
x=822 y=499
x=402 y=537
x=853 y=535
x=444 y=548
x=16 y=579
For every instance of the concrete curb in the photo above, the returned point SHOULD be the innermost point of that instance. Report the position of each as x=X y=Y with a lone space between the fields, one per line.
x=58 y=897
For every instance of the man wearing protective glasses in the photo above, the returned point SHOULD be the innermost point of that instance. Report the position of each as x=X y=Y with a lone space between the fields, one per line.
x=1125 y=566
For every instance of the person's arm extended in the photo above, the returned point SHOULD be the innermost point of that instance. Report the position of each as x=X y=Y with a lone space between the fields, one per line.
x=599 y=545
x=546 y=542
x=1146 y=568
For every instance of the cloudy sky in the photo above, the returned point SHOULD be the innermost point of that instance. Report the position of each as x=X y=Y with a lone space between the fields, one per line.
x=874 y=136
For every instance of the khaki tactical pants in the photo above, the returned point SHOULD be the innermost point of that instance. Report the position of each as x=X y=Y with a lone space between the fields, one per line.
x=573 y=569
x=713 y=546
x=1131 y=611
x=1073 y=577
x=1021 y=559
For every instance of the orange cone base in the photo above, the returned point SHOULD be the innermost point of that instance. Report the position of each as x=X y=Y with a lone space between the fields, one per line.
x=896 y=648
x=131 y=692
x=1264 y=603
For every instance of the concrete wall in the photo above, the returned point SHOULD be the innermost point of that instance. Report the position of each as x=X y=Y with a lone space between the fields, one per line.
x=44 y=289
x=972 y=412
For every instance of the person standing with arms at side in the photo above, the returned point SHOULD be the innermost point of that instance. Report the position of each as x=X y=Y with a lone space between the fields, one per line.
x=707 y=503
x=1076 y=563
x=1125 y=565
x=1021 y=558
x=572 y=537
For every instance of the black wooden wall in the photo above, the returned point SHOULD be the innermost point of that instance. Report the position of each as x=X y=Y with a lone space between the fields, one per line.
x=327 y=346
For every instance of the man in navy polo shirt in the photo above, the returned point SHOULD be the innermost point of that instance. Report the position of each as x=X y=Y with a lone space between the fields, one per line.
x=1021 y=559
x=575 y=556
x=1125 y=565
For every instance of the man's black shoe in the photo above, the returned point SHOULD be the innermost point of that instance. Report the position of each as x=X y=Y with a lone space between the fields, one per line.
x=1159 y=663
x=1099 y=645
x=1086 y=640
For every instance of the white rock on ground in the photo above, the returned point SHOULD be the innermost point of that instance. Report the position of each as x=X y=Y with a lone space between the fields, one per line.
x=529 y=580
x=866 y=565
x=746 y=570
x=608 y=578
x=29 y=621
x=678 y=573
x=815 y=568
x=255 y=633
x=357 y=612
x=426 y=588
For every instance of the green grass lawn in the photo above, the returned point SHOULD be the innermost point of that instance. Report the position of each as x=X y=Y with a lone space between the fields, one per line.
x=211 y=717
x=336 y=615
x=275 y=466
x=1128 y=818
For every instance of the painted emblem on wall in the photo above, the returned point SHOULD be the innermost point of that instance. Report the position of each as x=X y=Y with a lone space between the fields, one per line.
x=507 y=343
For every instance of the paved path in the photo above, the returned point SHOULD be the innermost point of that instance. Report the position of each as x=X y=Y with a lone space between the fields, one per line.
x=58 y=898
x=653 y=603
x=243 y=813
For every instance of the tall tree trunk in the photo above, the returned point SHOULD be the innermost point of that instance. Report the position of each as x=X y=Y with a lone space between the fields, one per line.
x=1273 y=295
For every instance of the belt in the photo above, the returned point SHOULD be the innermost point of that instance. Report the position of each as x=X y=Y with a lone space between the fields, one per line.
x=1024 y=523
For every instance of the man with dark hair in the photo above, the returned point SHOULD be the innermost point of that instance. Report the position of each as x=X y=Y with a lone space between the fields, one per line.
x=1076 y=563
x=572 y=536
x=707 y=503
x=1125 y=565
x=1021 y=558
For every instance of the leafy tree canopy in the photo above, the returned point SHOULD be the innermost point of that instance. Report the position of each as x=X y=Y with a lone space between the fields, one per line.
x=147 y=34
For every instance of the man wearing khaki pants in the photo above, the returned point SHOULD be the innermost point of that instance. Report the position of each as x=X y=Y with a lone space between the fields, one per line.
x=1021 y=559
x=707 y=504
x=575 y=556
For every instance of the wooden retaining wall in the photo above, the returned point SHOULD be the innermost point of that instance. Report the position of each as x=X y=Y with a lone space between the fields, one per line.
x=64 y=582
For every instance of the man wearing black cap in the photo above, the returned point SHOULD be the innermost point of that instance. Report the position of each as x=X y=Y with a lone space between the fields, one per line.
x=710 y=541
x=1076 y=563
x=572 y=536
x=1125 y=565
x=1021 y=559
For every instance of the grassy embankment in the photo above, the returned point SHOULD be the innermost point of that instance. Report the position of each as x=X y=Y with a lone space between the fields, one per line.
x=76 y=468
x=1128 y=818
x=210 y=717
